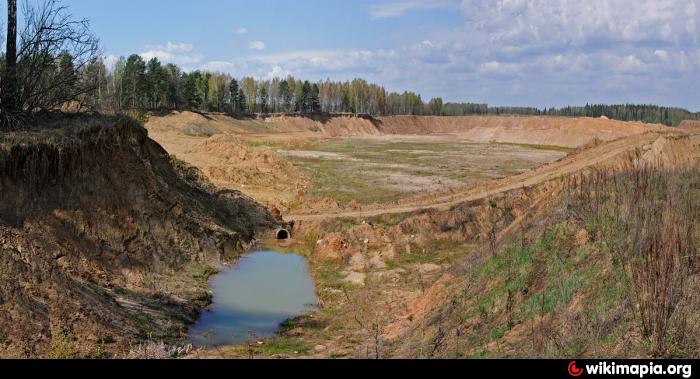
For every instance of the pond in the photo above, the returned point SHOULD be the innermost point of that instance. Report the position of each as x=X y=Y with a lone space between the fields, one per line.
x=256 y=295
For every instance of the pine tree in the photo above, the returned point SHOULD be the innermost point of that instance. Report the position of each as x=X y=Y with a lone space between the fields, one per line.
x=154 y=82
x=134 y=78
x=285 y=95
x=242 y=102
x=233 y=89
x=305 y=99
x=262 y=94
x=314 y=102
x=67 y=76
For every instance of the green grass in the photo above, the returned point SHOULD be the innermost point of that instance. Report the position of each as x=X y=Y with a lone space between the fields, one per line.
x=498 y=333
x=538 y=147
x=204 y=273
x=338 y=225
x=283 y=345
x=370 y=171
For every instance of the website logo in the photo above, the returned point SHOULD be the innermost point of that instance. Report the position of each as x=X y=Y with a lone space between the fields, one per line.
x=573 y=370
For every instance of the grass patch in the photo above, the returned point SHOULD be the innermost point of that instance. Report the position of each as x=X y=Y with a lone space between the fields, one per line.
x=498 y=333
x=370 y=171
x=204 y=273
x=538 y=147
x=283 y=345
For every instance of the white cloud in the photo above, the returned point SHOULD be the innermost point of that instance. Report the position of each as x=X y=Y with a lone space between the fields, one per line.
x=242 y=30
x=166 y=57
x=172 y=47
x=179 y=47
x=552 y=22
x=179 y=53
x=512 y=52
x=499 y=68
x=256 y=45
x=630 y=64
x=326 y=62
x=395 y=8
x=219 y=66
x=110 y=61
x=277 y=72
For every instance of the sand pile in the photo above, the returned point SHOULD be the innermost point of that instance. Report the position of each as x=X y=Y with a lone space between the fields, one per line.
x=670 y=152
x=231 y=164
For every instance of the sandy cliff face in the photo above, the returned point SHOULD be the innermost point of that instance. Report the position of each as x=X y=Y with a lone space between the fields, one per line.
x=539 y=130
x=96 y=217
x=557 y=131
x=536 y=130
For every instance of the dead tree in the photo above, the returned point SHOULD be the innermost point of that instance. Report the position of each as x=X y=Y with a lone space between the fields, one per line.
x=44 y=67
x=9 y=87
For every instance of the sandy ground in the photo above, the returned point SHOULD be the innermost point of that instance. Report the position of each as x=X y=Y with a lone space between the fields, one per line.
x=586 y=158
x=270 y=160
x=387 y=168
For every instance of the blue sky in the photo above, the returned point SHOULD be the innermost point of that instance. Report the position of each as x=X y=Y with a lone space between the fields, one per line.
x=504 y=52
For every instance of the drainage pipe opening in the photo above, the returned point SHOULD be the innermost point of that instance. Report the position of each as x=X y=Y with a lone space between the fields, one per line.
x=283 y=234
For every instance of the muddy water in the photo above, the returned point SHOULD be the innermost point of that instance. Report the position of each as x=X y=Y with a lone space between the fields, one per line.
x=261 y=291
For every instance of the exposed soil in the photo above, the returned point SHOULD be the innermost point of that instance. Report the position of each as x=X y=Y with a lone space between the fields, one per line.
x=105 y=240
x=536 y=130
x=387 y=271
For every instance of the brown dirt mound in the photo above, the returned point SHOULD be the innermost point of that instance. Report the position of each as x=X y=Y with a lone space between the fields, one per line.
x=331 y=126
x=669 y=152
x=227 y=159
x=94 y=224
x=231 y=164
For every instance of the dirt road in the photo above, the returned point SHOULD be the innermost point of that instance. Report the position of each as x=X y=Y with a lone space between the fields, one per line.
x=573 y=163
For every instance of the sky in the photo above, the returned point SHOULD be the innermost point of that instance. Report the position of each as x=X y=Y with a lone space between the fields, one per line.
x=540 y=53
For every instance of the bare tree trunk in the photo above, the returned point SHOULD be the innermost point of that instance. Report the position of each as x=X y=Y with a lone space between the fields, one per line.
x=9 y=100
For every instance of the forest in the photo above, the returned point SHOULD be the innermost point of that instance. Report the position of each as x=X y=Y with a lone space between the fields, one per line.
x=136 y=84
x=53 y=62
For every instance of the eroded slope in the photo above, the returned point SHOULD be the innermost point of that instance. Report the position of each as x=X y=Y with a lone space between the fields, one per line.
x=103 y=241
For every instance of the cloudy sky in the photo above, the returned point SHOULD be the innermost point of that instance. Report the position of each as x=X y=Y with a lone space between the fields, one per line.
x=504 y=52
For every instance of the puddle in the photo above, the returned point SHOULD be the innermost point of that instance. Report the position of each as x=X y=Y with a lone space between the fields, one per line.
x=256 y=295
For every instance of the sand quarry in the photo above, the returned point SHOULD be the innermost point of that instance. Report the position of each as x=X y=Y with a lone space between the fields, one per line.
x=343 y=166
x=393 y=212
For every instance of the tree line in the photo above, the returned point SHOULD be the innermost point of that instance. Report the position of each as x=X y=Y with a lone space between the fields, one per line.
x=648 y=113
x=55 y=63
x=137 y=84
